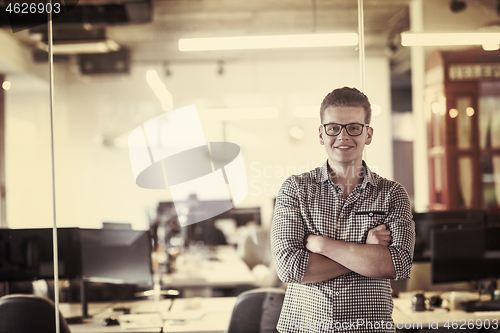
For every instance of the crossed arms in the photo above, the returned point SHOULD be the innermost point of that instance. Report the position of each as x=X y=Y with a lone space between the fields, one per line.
x=386 y=254
x=330 y=258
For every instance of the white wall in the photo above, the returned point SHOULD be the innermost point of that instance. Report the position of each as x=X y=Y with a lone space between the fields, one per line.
x=94 y=182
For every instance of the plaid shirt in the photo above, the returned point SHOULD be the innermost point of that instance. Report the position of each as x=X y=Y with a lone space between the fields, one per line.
x=311 y=204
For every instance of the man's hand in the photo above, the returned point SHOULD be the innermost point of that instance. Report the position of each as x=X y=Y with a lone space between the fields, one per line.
x=379 y=235
x=314 y=243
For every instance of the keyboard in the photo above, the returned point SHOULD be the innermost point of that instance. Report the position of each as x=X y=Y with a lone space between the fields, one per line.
x=473 y=306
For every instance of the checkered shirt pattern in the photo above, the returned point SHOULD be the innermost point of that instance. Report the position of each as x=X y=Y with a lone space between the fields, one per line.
x=311 y=204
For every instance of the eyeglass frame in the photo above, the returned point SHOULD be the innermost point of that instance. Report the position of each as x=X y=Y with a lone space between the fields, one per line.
x=344 y=127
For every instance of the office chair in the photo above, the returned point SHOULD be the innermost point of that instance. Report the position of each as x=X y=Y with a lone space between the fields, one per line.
x=29 y=313
x=257 y=310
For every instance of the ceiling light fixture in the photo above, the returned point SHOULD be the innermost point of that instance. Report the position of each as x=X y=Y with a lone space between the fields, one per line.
x=81 y=47
x=268 y=42
x=239 y=113
x=449 y=39
x=306 y=111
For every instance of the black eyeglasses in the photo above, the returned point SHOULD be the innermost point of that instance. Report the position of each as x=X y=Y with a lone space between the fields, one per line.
x=353 y=129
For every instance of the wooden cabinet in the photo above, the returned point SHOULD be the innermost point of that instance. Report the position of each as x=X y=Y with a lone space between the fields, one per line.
x=462 y=110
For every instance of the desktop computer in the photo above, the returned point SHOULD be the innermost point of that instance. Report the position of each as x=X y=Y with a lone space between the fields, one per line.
x=27 y=254
x=117 y=256
x=463 y=255
x=426 y=223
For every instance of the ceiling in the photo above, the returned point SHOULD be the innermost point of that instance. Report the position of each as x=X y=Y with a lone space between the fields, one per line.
x=173 y=19
x=157 y=39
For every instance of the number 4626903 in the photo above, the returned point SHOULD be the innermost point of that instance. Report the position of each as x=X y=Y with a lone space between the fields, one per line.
x=33 y=8
x=471 y=324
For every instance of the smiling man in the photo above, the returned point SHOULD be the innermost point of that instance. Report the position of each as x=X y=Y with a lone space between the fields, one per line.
x=340 y=232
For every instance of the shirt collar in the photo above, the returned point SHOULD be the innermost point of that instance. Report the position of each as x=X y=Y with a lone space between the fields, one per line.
x=369 y=176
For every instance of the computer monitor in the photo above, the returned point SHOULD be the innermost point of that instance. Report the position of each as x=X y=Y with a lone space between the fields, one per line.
x=207 y=232
x=426 y=222
x=242 y=216
x=27 y=254
x=120 y=256
x=465 y=255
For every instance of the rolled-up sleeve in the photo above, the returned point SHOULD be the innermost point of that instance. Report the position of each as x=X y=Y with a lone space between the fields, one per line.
x=287 y=235
x=400 y=223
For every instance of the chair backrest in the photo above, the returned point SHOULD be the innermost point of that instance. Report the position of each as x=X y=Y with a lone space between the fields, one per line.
x=257 y=310
x=29 y=313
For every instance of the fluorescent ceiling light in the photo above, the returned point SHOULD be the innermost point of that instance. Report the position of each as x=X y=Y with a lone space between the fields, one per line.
x=268 y=42
x=312 y=111
x=80 y=47
x=449 y=39
x=239 y=113
x=307 y=111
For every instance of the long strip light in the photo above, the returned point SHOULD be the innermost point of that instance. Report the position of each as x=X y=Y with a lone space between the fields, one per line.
x=268 y=42
x=239 y=113
x=449 y=39
x=312 y=111
x=103 y=46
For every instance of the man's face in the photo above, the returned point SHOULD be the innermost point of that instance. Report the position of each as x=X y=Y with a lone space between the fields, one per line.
x=344 y=149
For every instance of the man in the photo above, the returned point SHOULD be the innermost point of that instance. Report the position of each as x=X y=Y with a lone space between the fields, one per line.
x=340 y=231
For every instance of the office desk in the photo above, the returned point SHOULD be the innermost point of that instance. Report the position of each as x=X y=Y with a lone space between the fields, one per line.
x=195 y=315
x=403 y=313
x=199 y=272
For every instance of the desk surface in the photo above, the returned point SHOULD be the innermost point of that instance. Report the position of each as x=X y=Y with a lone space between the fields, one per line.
x=404 y=314
x=221 y=267
x=196 y=315
x=212 y=315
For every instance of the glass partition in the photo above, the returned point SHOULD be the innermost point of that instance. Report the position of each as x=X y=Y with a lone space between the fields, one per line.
x=119 y=67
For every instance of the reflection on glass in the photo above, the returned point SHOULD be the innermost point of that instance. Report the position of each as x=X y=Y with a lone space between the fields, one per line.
x=489 y=122
x=489 y=184
x=437 y=125
x=438 y=181
x=465 y=181
x=463 y=122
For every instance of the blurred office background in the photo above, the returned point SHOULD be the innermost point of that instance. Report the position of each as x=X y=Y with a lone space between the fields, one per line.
x=101 y=97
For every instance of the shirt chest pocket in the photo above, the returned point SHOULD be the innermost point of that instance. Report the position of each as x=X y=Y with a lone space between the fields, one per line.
x=366 y=220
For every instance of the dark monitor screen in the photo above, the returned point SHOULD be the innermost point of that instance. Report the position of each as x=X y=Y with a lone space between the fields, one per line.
x=27 y=254
x=207 y=232
x=116 y=256
x=427 y=222
x=242 y=216
x=465 y=255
